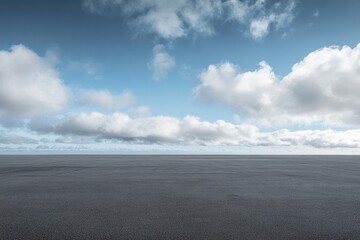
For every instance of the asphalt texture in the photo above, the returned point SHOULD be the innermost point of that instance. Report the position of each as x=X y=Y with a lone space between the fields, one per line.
x=180 y=197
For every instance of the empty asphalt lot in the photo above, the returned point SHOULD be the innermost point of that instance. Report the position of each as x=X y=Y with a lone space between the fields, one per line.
x=180 y=197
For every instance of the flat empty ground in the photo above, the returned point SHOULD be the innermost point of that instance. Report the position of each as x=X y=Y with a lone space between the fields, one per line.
x=180 y=197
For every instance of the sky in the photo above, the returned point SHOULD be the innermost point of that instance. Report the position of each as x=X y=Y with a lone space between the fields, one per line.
x=180 y=76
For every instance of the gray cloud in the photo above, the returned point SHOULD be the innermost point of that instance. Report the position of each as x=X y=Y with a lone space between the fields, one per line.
x=9 y=138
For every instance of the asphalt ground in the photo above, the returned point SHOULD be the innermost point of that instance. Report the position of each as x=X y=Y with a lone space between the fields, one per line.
x=180 y=197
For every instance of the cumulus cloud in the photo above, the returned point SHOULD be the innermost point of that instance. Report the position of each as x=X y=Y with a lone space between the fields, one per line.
x=30 y=84
x=322 y=88
x=250 y=91
x=161 y=62
x=103 y=98
x=179 y=18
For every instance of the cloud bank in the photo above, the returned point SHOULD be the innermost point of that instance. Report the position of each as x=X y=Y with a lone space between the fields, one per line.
x=322 y=88
x=189 y=130
x=11 y=138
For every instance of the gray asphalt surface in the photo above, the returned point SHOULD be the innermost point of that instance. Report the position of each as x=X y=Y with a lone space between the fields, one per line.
x=180 y=197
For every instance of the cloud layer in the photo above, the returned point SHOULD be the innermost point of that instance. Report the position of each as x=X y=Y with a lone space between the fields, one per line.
x=180 y=18
x=189 y=130
x=30 y=85
x=322 y=88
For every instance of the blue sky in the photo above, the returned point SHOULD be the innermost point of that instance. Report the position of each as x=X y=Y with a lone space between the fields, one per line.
x=179 y=76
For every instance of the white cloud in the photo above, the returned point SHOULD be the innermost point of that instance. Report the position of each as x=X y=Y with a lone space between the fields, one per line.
x=103 y=98
x=190 y=130
x=322 y=88
x=29 y=84
x=314 y=138
x=259 y=28
x=150 y=129
x=116 y=125
x=180 y=18
x=168 y=19
x=252 y=92
x=161 y=62
x=261 y=18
